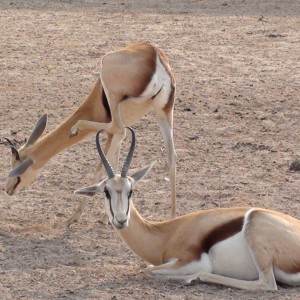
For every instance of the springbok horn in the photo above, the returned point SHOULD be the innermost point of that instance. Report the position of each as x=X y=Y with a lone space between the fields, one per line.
x=129 y=155
x=14 y=151
x=106 y=164
x=10 y=142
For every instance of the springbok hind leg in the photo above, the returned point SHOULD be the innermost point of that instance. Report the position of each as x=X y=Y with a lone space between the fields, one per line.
x=165 y=121
x=265 y=282
x=77 y=214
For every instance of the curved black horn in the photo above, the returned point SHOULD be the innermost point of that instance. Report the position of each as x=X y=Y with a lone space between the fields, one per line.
x=9 y=141
x=106 y=164
x=14 y=151
x=129 y=155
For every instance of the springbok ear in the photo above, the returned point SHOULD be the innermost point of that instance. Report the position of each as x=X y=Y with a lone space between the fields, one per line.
x=90 y=190
x=37 y=130
x=21 y=168
x=141 y=173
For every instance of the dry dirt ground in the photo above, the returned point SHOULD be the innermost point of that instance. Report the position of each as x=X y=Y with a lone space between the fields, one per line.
x=237 y=130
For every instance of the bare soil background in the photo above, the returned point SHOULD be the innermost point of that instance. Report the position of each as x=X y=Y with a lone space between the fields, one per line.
x=236 y=128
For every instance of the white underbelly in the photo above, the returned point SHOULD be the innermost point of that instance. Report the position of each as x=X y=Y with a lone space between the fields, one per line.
x=283 y=277
x=232 y=258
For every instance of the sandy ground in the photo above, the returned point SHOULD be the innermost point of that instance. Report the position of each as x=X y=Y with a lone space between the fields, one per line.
x=236 y=131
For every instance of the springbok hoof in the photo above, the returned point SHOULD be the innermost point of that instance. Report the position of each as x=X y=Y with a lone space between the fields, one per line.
x=73 y=132
x=104 y=218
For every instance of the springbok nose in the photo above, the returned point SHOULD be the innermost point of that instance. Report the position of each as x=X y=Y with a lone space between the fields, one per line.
x=121 y=222
x=9 y=191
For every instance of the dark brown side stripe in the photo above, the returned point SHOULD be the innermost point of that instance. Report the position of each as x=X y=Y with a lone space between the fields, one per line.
x=221 y=233
x=149 y=69
x=105 y=104
x=169 y=106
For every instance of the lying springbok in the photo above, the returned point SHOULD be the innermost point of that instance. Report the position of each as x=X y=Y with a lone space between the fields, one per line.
x=246 y=248
x=134 y=80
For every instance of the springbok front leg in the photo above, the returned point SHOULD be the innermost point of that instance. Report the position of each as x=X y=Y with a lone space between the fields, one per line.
x=114 y=127
x=165 y=120
x=181 y=268
x=168 y=270
x=77 y=214
x=88 y=125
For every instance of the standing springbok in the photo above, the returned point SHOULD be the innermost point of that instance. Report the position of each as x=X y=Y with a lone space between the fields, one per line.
x=133 y=81
x=246 y=248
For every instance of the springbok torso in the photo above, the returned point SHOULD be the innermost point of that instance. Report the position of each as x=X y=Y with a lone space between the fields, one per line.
x=133 y=81
x=247 y=248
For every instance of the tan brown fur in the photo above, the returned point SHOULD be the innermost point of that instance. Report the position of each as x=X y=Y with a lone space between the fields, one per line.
x=125 y=74
x=247 y=248
x=280 y=242
x=273 y=237
x=183 y=238
x=59 y=139
x=124 y=67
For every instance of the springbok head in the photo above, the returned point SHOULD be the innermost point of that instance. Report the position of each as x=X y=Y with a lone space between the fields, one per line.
x=23 y=169
x=117 y=188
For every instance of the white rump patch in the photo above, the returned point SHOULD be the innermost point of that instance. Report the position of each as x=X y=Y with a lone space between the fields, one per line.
x=160 y=82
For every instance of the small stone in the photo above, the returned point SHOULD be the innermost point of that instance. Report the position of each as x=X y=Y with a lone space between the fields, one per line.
x=295 y=165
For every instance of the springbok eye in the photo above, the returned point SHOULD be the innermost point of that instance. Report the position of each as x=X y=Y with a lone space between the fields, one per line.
x=107 y=194
x=130 y=194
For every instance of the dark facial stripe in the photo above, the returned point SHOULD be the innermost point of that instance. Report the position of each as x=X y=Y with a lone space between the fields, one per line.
x=111 y=210
x=129 y=196
x=128 y=207
x=15 y=153
x=17 y=183
x=221 y=233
